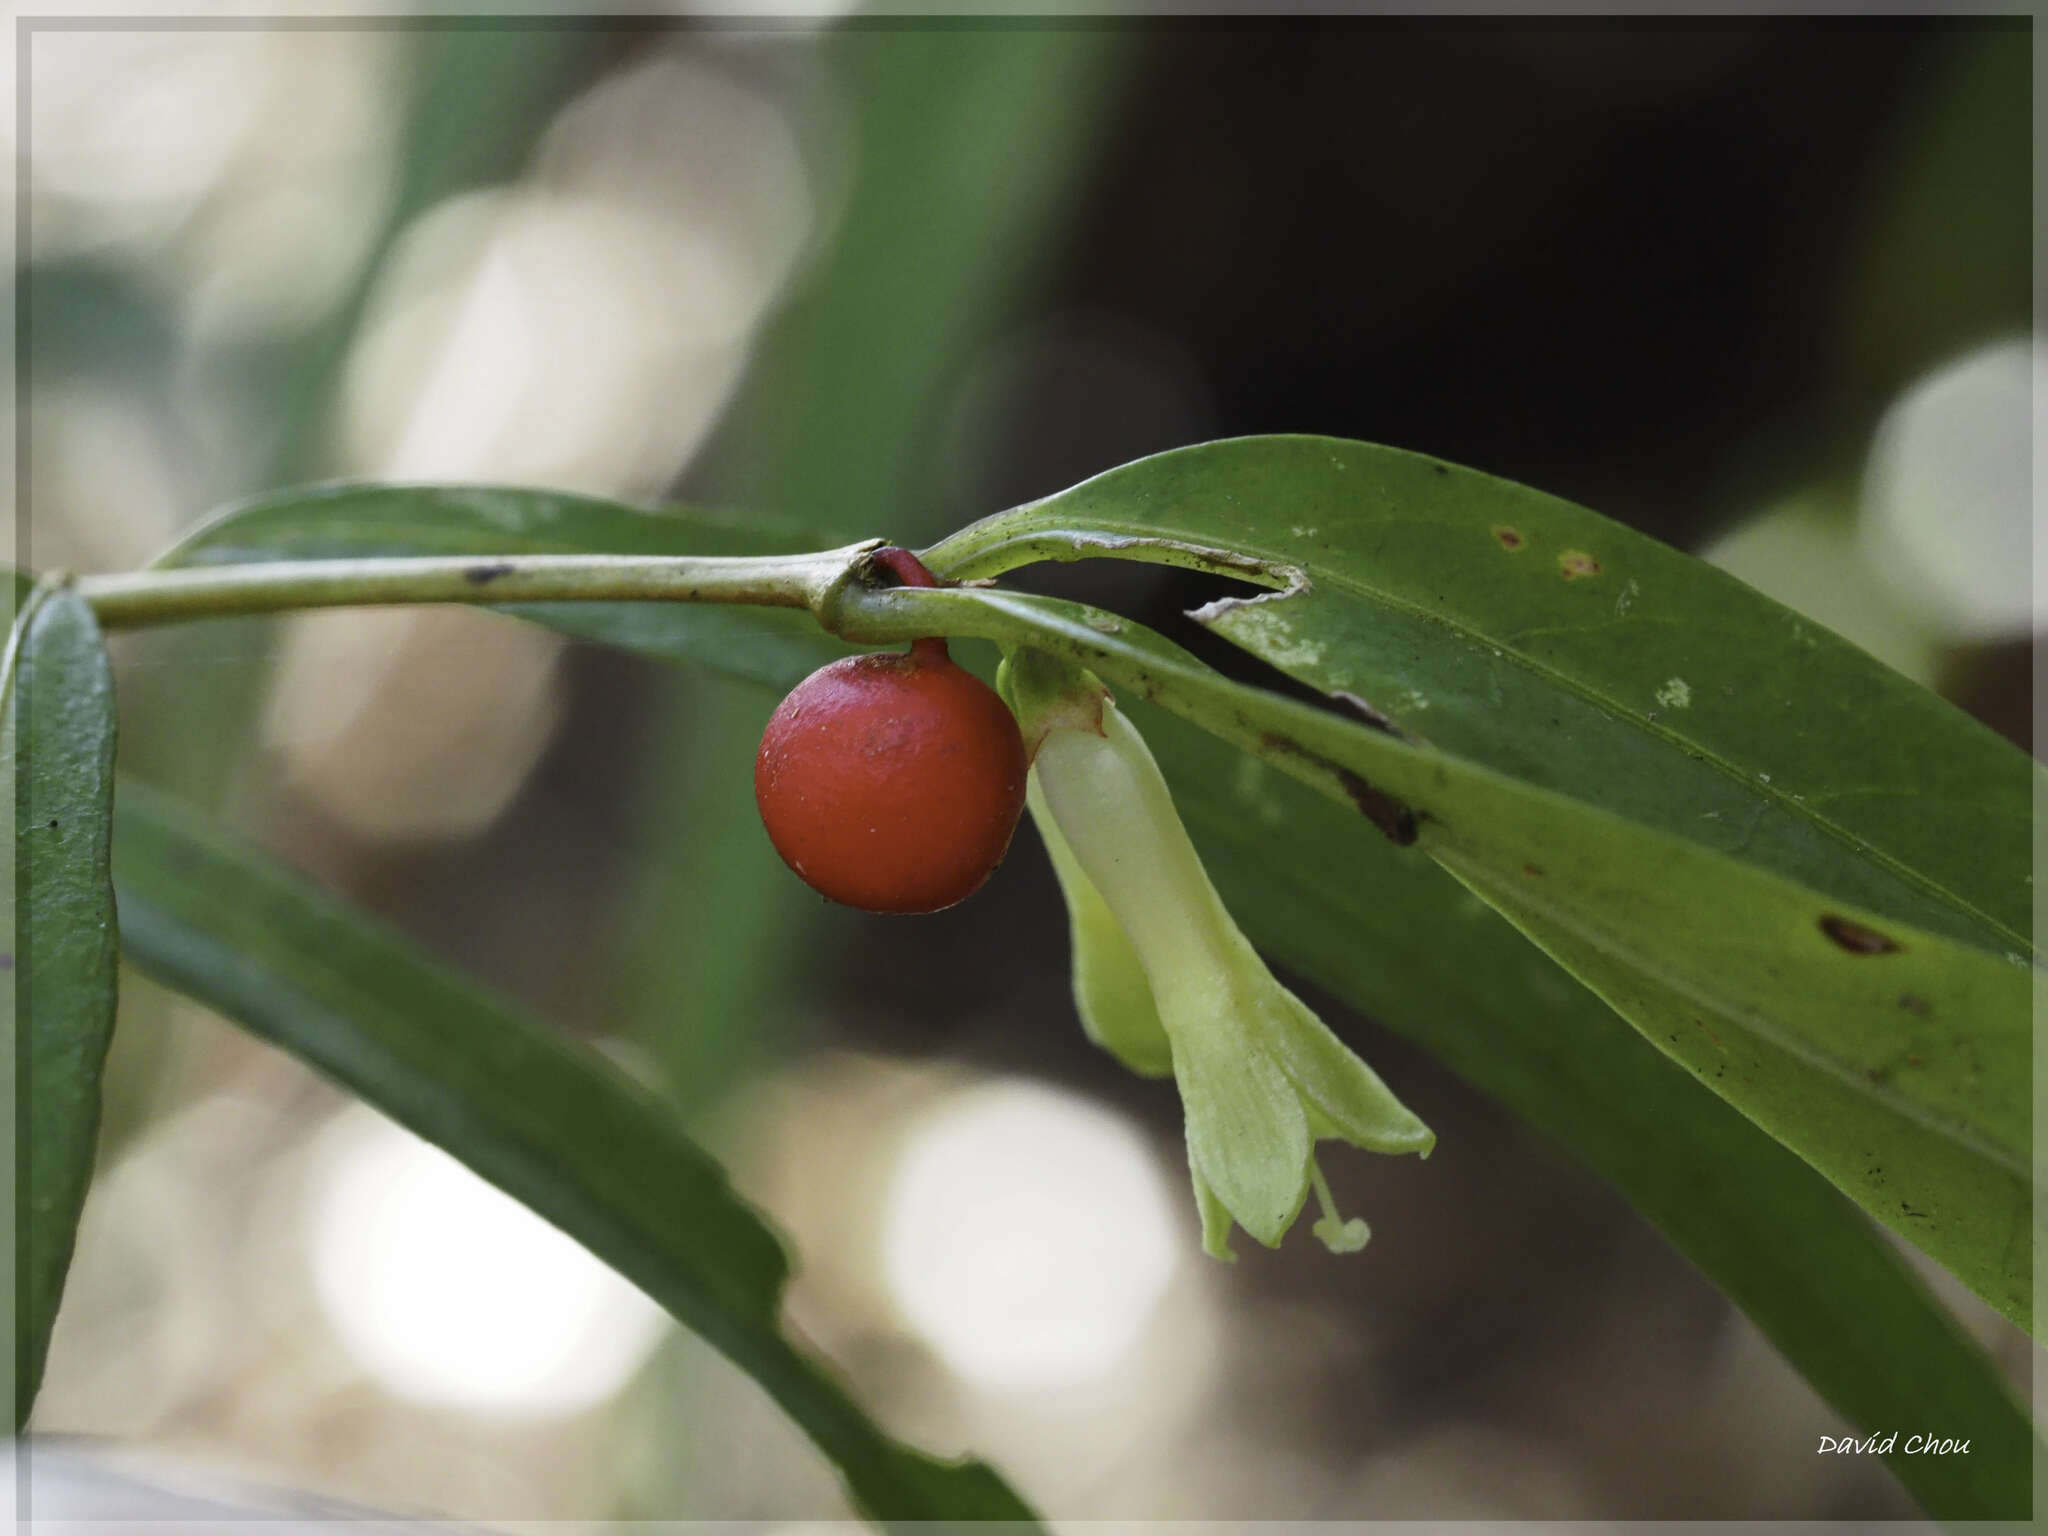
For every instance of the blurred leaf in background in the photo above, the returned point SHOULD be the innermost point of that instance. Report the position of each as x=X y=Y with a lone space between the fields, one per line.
x=212 y=213
x=1946 y=259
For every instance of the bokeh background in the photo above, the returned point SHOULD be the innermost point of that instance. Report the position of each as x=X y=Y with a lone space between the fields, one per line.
x=1761 y=289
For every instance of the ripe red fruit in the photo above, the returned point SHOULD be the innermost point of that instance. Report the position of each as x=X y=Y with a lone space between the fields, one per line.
x=892 y=782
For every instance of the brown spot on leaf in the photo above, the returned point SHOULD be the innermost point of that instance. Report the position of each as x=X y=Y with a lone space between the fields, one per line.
x=1531 y=869
x=1915 y=1005
x=484 y=575
x=1510 y=538
x=1396 y=821
x=1856 y=938
x=1574 y=563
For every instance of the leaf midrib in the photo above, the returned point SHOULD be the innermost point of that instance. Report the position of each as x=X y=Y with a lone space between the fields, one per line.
x=1761 y=789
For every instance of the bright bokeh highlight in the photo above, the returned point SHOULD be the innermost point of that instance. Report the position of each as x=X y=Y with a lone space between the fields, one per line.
x=1028 y=1236
x=1948 y=493
x=452 y=1294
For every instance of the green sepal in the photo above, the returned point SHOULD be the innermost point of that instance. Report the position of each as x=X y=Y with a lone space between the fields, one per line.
x=1248 y=1136
x=1216 y=1220
x=1047 y=693
x=1110 y=990
x=1346 y=1099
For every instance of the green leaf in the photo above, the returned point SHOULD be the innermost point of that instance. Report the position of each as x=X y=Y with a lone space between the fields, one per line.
x=1539 y=639
x=553 y=1125
x=764 y=645
x=1513 y=631
x=1894 y=1060
x=57 y=742
x=1404 y=944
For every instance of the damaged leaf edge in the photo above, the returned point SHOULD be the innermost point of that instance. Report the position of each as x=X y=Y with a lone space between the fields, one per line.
x=958 y=557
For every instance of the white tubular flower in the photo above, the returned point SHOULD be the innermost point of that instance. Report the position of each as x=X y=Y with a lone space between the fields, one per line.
x=1166 y=980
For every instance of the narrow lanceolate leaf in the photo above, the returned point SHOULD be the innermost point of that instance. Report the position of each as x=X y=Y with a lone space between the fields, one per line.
x=553 y=1125
x=1526 y=634
x=343 y=520
x=1893 y=1059
x=1506 y=629
x=1401 y=942
x=57 y=741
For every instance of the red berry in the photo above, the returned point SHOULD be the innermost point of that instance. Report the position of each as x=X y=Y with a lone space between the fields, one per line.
x=892 y=782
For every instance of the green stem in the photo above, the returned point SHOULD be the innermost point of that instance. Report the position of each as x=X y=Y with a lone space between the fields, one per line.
x=779 y=581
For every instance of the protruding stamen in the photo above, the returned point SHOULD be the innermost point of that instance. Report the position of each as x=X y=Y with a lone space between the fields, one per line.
x=1338 y=1235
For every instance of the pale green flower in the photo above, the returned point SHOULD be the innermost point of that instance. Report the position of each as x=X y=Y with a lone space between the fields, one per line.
x=1165 y=980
